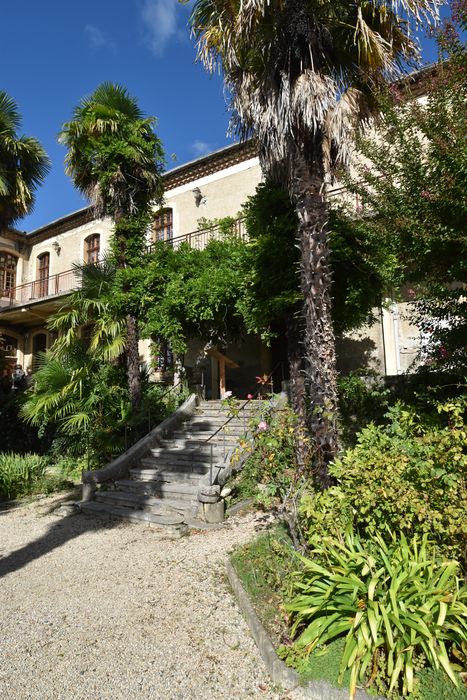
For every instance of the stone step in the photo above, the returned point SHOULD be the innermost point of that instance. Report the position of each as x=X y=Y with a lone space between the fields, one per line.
x=213 y=423
x=203 y=436
x=170 y=465
x=170 y=472
x=217 y=403
x=113 y=512
x=163 y=489
x=149 y=488
x=182 y=453
x=143 y=501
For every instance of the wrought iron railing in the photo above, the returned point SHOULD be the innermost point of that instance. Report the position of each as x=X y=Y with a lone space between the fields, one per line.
x=54 y=285
x=69 y=280
x=200 y=238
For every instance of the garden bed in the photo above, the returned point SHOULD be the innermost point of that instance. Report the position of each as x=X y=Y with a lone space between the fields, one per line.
x=264 y=569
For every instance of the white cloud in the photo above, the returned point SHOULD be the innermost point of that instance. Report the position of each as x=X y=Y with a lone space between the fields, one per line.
x=98 y=40
x=160 y=20
x=200 y=148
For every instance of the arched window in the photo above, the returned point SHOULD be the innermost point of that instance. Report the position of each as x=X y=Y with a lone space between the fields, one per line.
x=92 y=247
x=43 y=267
x=7 y=274
x=162 y=227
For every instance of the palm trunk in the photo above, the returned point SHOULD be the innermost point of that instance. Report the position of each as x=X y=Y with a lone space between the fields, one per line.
x=132 y=362
x=294 y=334
x=319 y=347
x=132 y=349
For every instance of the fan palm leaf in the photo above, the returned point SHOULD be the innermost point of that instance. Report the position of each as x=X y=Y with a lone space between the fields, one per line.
x=23 y=165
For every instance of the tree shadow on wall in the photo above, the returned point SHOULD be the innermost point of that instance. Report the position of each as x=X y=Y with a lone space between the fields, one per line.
x=355 y=354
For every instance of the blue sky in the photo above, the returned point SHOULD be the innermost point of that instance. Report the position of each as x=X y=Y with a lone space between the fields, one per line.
x=55 y=52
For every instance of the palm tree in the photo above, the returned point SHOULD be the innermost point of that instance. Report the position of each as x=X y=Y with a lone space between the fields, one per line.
x=116 y=160
x=89 y=307
x=23 y=165
x=298 y=72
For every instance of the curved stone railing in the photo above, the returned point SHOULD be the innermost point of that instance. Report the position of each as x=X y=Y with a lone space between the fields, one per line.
x=120 y=466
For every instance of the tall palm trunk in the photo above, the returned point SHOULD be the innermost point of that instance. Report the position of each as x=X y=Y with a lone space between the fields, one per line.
x=132 y=362
x=132 y=334
x=319 y=349
x=294 y=334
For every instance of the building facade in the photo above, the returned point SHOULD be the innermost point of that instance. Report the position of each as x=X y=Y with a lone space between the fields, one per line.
x=36 y=274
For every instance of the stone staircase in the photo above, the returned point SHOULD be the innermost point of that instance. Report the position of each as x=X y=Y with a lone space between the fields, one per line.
x=163 y=485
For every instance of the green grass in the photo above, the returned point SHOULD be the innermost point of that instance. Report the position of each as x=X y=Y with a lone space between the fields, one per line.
x=264 y=567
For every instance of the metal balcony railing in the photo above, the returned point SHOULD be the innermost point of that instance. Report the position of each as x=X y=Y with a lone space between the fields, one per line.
x=53 y=285
x=69 y=280
x=200 y=238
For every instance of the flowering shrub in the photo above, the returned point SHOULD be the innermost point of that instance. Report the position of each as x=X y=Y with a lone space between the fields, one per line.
x=270 y=469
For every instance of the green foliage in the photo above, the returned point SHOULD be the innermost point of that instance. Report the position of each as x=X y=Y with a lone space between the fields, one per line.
x=406 y=476
x=361 y=264
x=432 y=686
x=265 y=567
x=114 y=156
x=189 y=293
x=363 y=398
x=23 y=165
x=270 y=470
x=390 y=601
x=412 y=187
x=18 y=473
x=85 y=401
x=16 y=436
x=92 y=307
x=270 y=284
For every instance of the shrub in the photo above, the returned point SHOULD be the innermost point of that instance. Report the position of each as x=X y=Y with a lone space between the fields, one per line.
x=405 y=476
x=270 y=469
x=363 y=398
x=18 y=473
x=395 y=605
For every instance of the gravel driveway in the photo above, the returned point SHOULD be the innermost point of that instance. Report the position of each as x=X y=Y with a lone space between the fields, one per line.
x=96 y=610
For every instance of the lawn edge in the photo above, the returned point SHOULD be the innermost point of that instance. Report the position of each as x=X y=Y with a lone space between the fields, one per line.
x=277 y=669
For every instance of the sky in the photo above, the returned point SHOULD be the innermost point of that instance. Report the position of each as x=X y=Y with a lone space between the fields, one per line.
x=53 y=53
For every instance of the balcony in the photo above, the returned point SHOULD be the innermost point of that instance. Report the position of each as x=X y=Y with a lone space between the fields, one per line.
x=54 y=285
x=65 y=282
x=201 y=237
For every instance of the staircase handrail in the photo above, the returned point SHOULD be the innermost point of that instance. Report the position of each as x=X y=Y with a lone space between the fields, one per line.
x=119 y=467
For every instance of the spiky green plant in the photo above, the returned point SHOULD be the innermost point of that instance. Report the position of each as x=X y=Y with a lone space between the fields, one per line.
x=391 y=601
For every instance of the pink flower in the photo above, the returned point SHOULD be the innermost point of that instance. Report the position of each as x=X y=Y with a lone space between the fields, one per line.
x=262 y=425
x=249 y=396
x=227 y=395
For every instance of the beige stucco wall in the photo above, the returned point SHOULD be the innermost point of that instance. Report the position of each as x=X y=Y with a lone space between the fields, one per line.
x=72 y=248
x=223 y=193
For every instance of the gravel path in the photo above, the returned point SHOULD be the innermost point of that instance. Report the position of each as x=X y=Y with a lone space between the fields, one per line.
x=91 y=610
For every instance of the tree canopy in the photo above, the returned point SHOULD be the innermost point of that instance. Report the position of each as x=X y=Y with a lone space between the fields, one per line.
x=298 y=74
x=116 y=160
x=412 y=184
x=23 y=165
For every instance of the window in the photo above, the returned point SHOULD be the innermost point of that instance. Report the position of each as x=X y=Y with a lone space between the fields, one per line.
x=43 y=263
x=92 y=248
x=163 y=225
x=7 y=274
